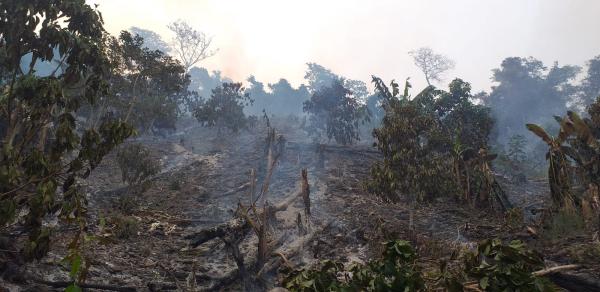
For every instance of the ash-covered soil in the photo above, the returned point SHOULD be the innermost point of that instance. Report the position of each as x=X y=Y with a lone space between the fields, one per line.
x=201 y=185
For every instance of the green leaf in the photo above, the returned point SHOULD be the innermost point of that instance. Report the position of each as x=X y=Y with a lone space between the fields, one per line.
x=73 y=288
x=484 y=283
x=75 y=265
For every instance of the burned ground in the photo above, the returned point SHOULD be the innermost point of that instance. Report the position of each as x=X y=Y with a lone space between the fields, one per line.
x=141 y=239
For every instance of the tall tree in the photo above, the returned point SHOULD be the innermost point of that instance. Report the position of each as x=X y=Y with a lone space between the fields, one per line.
x=433 y=65
x=590 y=86
x=190 y=45
x=148 y=86
x=527 y=91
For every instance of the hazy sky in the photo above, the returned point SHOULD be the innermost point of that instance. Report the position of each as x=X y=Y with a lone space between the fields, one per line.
x=275 y=38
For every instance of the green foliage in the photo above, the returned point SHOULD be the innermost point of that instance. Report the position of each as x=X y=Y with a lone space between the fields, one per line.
x=147 y=86
x=137 y=163
x=335 y=113
x=225 y=108
x=396 y=271
x=493 y=266
x=44 y=150
x=429 y=144
x=505 y=267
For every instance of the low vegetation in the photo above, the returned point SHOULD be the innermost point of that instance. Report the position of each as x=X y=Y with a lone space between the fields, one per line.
x=137 y=163
x=493 y=266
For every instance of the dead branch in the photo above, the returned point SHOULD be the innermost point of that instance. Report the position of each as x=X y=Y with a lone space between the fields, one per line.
x=556 y=269
x=234 y=191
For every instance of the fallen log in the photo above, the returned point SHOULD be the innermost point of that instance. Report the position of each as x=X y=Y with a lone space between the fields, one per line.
x=575 y=282
x=232 y=226
x=64 y=284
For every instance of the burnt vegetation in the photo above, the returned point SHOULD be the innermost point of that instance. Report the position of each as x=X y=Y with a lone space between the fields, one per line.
x=127 y=167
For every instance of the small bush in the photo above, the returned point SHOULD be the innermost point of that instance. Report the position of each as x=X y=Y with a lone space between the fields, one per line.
x=125 y=227
x=136 y=164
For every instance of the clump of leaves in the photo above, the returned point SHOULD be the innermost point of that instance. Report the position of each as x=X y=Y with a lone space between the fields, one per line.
x=505 y=267
x=493 y=266
x=335 y=113
x=396 y=271
x=224 y=108
x=136 y=163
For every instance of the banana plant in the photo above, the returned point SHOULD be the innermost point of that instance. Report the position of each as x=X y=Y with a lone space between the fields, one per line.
x=559 y=168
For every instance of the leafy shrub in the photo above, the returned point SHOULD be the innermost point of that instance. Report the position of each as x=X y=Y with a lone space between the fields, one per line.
x=224 y=108
x=433 y=144
x=396 y=271
x=136 y=163
x=335 y=113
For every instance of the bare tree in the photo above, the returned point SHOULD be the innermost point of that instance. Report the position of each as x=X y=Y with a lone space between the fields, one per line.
x=189 y=45
x=433 y=65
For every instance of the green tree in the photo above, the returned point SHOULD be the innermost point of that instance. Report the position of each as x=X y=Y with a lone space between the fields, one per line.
x=45 y=151
x=148 y=87
x=224 y=108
